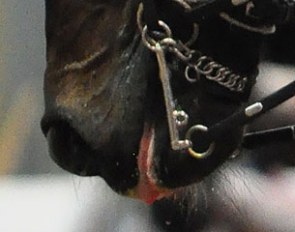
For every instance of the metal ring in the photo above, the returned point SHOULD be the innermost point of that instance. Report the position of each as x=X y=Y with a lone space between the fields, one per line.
x=192 y=152
x=139 y=16
x=187 y=75
x=194 y=36
x=166 y=29
x=150 y=42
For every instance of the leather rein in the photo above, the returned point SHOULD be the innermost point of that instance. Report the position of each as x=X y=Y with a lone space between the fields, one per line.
x=158 y=38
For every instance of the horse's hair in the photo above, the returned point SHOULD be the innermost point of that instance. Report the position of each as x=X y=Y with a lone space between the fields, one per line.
x=104 y=104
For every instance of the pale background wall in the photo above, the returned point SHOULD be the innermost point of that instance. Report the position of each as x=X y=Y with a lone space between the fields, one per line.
x=22 y=65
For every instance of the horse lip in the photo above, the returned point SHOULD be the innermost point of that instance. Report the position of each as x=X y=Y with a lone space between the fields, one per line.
x=147 y=188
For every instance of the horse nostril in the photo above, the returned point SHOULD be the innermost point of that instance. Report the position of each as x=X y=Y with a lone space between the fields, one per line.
x=70 y=151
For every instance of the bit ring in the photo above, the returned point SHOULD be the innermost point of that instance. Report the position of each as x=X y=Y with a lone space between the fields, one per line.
x=194 y=153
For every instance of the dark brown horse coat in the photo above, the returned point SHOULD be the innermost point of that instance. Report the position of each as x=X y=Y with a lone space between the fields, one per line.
x=104 y=103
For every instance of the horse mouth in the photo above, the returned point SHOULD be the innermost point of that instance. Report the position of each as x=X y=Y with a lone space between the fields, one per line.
x=147 y=188
x=72 y=153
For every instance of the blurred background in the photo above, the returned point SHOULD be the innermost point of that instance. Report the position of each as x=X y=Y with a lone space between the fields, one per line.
x=35 y=195
x=22 y=49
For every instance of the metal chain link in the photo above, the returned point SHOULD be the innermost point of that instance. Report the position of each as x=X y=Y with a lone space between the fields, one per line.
x=196 y=66
x=216 y=72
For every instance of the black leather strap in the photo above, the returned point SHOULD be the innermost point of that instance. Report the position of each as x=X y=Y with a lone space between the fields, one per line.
x=242 y=118
x=258 y=138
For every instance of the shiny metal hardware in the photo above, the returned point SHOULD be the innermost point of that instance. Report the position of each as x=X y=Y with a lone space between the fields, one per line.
x=191 y=151
x=159 y=44
x=202 y=65
x=175 y=118
x=253 y=109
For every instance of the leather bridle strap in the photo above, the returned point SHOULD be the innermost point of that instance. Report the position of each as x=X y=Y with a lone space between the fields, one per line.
x=251 y=112
x=193 y=11
x=213 y=7
x=264 y=137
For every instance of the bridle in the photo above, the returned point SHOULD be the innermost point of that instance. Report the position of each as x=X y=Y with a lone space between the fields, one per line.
x=158 y=38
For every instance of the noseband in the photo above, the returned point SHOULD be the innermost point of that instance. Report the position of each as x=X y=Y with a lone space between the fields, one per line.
x=158 y=38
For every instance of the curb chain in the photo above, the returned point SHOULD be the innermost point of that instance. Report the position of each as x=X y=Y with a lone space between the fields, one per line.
x=196 y=63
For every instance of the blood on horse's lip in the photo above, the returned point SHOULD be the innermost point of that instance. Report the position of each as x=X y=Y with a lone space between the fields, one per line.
x=147 y=189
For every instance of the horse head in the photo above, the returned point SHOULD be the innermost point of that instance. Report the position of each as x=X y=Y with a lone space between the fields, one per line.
x=105 y=113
